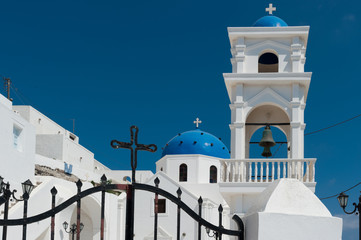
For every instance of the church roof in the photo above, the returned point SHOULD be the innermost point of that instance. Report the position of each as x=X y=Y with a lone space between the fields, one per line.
x=196 y=142
x=270 y=21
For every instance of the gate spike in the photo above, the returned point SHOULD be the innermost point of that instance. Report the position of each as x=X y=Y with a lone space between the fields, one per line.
x=179 y=192
x=79 y=184
x=220 y=208
x=200 y=200
x=156 y=181
x=53 y=191
x=103 y=179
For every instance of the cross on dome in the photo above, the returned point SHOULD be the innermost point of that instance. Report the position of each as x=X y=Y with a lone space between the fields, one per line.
x=197 y=122
x=270 y=9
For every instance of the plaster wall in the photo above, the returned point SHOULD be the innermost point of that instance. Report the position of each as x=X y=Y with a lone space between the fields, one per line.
x=275 y=226
x=76 y=154
x=42 y=123
x=50 y=145
x=19 y=158
x=240 y=203
x=198 y=167
x=59 y=147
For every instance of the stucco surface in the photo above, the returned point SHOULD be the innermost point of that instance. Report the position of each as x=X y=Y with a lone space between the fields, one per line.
x=289 y=196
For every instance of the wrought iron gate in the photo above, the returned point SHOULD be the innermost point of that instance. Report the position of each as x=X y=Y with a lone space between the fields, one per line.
x=129 y=189
x=130 y=200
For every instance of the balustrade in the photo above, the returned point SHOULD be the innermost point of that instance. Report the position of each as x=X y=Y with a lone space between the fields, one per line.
x=267 y=170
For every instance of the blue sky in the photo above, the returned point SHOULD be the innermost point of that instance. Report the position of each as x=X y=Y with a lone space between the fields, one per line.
x=159 y=64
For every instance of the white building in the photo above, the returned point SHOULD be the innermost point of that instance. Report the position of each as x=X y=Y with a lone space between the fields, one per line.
x=274 y=197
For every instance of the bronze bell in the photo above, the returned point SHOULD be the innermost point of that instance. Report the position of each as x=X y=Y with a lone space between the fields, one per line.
x=267 y=142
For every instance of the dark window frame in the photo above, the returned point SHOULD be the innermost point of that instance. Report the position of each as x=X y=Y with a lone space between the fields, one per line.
x=183 y=172
x=213 y=174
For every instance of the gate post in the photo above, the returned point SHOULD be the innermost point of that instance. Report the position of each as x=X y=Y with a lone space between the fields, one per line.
x=129 y=219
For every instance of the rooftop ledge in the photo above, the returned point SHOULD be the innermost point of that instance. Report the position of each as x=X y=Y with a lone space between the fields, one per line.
x=233 y=79
x=233 y=188
x=270 y=32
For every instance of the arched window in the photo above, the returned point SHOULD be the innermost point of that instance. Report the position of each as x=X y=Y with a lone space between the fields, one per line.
x=183 y=172
x=212 y=174
x=268 y=62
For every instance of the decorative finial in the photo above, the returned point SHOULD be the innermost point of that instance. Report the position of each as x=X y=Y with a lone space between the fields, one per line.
x=197 y=122
x=270 y=9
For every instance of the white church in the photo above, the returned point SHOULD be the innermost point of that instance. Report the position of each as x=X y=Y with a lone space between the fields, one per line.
x=274 y=197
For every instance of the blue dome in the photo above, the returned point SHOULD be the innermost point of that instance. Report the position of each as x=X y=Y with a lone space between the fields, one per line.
x=196 y=142
x=270 y=21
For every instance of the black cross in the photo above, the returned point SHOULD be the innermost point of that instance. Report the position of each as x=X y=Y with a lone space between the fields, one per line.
x=138 y=147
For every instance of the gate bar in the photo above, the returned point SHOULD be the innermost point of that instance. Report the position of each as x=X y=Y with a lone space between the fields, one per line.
x=78 y=184
x=6 y=209
x=200 y=201
x=156 y=181
x=53 y=194
x=103 y=183
x=179 y=193
x=220 y=210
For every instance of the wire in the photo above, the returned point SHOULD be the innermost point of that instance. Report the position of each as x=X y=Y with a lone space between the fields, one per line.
x=341 y=192
x=334 y=125
x=274 y=154
x=21 y=96
x=16 y=92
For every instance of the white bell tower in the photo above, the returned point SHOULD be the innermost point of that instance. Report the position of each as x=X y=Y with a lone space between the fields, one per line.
x=268 y=83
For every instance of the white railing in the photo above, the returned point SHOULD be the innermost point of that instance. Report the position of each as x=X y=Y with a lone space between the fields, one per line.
x=267 y=170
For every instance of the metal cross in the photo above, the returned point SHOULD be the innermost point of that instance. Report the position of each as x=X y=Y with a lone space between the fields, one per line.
x=197 y=122
x=270 y=9
x=138 y=147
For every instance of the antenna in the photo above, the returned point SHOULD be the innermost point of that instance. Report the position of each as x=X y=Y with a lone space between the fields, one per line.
x=7 y=83
x=73 y=124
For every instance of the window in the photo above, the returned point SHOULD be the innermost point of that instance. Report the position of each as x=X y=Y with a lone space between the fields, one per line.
x=72 y=137
x=17 y=132
x=183 y=173
x=161 y=206
x=212 y=174
x=268 y=62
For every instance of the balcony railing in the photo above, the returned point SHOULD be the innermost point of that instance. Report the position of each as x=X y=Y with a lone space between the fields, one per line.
x=267 y=170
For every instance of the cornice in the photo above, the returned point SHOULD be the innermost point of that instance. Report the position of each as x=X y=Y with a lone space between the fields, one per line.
x=237 y=105
x=236 y=125
x=267 y=79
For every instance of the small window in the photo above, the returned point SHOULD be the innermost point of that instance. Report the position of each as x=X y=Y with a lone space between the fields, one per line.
x=161 y=206
x=213 y=174
x=17 y=133
x=72 y=137
x=268 y=62
x=183 y=172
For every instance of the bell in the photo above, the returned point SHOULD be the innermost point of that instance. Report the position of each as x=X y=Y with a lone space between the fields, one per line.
x=266 y=152
x=267 y=141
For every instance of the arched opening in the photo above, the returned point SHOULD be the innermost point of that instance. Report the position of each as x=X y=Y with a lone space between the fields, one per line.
x=213 y=174
x=183 y=172
x=281 y=133
x=268 y=62
x=278 y=151
x=88 y=230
